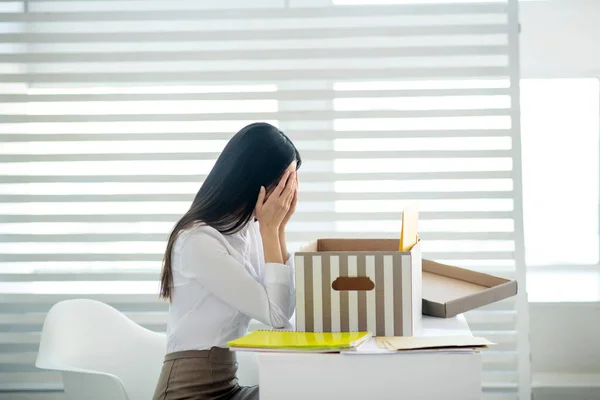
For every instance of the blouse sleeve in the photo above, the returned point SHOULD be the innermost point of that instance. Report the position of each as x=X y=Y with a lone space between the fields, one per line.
x=290 y=264
x=290 y=261
x=206 y=259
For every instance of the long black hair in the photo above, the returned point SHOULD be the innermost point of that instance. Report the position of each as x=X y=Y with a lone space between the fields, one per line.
x=256 y=156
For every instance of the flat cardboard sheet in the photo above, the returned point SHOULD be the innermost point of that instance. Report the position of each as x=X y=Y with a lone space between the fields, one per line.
x=432 y=342
x=443 y=289
x=449 y=291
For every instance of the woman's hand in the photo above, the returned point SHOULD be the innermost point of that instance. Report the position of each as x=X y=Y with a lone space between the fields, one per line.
x=286 y=219
x=272 y=212
x=292 y=208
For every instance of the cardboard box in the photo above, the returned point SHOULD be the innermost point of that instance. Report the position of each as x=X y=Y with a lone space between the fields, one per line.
x=449 y=291
x=445 y=290
x=358 y=285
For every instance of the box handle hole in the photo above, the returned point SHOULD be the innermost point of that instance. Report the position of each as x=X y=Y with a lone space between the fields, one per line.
x=349 y=283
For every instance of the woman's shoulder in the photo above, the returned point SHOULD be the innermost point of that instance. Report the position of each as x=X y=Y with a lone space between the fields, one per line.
x=199 y=233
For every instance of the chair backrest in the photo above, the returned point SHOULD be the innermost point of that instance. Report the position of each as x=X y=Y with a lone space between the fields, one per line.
x=90 y=335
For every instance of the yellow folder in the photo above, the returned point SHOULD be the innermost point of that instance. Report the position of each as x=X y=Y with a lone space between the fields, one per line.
x=308 y=341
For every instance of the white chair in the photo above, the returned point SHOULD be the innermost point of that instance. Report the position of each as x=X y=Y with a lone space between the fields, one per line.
x=101 y=354
x=247 y=373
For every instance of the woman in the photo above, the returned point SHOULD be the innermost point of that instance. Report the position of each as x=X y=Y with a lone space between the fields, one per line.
x=227 y=263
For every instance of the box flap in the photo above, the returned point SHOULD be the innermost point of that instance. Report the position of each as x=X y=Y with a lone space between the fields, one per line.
x=312 y=247
x=351 y=245
x=372 y=245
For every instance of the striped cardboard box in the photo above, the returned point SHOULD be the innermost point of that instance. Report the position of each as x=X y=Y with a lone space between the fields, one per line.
x=377 y=291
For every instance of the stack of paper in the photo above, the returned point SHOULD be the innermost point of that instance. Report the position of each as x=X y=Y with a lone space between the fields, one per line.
x=432 y=342
x=298 y=341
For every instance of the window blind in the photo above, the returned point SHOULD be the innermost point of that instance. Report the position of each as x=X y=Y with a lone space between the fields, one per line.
x=113 y=112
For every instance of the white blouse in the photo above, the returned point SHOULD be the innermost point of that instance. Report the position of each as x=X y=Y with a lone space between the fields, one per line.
x=221 y=282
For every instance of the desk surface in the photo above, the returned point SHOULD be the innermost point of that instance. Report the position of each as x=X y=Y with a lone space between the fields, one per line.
x=418 y=375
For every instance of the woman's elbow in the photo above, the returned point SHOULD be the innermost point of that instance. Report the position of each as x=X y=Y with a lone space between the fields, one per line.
x=280 y=319
x=280 y=325
x=280 y=322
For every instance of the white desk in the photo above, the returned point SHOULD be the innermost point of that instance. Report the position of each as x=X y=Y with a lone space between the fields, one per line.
x=412 y=376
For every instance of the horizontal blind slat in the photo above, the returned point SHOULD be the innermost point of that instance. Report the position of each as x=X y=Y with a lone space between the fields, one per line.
x=241 y=36
x=308 y=236
x=308 y=115
x=22 y=381
x=307 y=196
x=308 y=216
x=267 y=54
x=361 y=73
x=324 y=215
x=280 y=95
x=305 y=135
x=307 y=155
x=307 y=176
x=240 y=13
x=113 y=237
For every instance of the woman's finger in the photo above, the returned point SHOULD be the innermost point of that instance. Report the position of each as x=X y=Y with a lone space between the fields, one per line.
x=289 y=186
x=289 y=199
x=261 y=199
x=281 y=186
x=295 y=198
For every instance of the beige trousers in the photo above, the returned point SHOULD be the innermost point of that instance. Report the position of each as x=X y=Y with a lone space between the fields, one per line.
x=201 y=375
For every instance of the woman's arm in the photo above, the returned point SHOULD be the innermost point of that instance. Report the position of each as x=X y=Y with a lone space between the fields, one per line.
x=283 y=246
x=206 y=259
x=271 y=246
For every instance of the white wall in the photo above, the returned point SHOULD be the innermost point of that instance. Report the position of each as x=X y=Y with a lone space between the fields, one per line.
x=565 y=337
x=565 y=350
x=560 y=38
